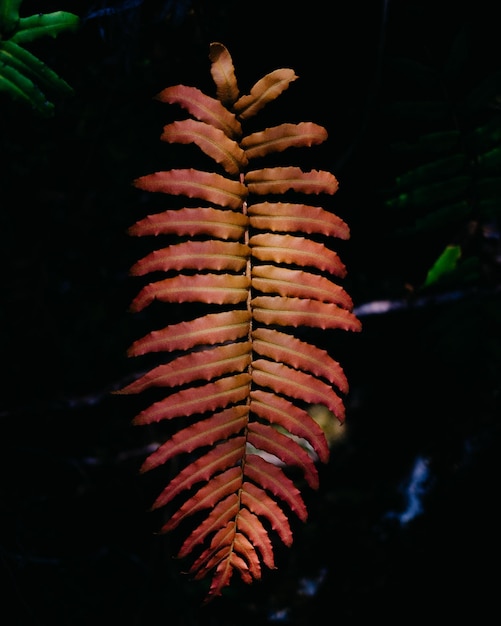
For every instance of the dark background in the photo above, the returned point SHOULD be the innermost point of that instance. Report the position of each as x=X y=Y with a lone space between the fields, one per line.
x=77 y=544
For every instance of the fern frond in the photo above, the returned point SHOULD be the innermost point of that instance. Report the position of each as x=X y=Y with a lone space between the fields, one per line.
x=239 y=376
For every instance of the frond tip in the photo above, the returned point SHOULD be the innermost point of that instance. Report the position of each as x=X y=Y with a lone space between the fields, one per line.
x=236 y=377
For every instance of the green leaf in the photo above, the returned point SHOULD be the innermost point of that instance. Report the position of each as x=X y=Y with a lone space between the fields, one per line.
x=23 y=75
x=487 y=136
x=51 y=24
x=442 y=217
x=435 y=170
x=439 y=142
x=22 y=89
x=432 y=195
x=9 y=16
x=445 y=264
x=32 y=67
x=490 y=160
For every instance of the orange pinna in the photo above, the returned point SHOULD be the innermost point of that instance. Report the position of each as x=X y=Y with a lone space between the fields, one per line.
x=237 y=375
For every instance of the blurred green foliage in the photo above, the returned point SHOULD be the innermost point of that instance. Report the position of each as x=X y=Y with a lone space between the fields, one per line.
x=23 y=76
x=451 y=194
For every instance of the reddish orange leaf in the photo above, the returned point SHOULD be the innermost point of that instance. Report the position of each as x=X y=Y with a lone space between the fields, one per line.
x=296 y=312
x=226 y=326
x=220 y=486
x=220 y=223
x=203 y=107
x=252 y=527
x=265 y=90
x=266 y=438
x=210 y=397
x=221 y=578
x=287 y=217
x=229 y=550
x=211 y=254
x=278 y=410
x=220 y=515
x=281 y=179
x=258 y=502
x=201 y=365
x=219 y=548
x=212 y=141
x=213 y=557
x=274 y=480
x=296 y=384
x=285 y=348
x=195 y=184
x=281 y=137
x=248 y=564
x=223 y=73
x=219 y=458
x=203 y=433
x=296 y=283
x=296 y=251
x=209 y=288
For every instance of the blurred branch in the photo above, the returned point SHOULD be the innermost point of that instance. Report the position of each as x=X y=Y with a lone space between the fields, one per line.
x=380 y=307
